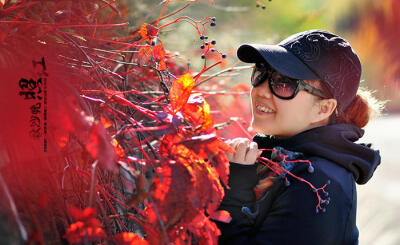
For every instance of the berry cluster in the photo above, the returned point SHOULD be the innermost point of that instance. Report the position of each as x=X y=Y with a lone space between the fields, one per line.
x=260 y=4
x=206 y=45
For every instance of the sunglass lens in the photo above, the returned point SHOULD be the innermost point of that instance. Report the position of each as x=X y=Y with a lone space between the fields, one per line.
x=284 y=87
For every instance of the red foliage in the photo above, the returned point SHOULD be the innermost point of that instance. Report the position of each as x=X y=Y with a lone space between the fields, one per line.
x=87 y=227
x=102 y=107
x=144 y=55
x=129 y=238
x=180 y=91
x=148 y=31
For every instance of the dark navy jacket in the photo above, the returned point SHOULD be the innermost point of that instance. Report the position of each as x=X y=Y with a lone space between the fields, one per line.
x=287 y=214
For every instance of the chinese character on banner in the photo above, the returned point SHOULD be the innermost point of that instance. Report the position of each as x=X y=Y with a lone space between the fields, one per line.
x=29 y=87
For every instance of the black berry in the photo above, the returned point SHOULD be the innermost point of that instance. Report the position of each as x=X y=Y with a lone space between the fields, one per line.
x=213 y=42
x=212 y=50
x=202 y=46
x=223 y=56
x=202 y=37
x=257 y=5
x=213 y=24
x=310 y=169
x=214 y=19
x=203 y=56
x=263 y=7
x=205 y=37
x=206 y=43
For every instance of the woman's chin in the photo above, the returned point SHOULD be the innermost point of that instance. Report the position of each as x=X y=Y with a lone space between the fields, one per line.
x=259 y=129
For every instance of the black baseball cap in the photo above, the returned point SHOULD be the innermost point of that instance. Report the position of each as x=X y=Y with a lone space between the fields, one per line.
x=312 y=55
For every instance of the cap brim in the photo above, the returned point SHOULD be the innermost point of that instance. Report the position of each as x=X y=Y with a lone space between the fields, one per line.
x=278 y=58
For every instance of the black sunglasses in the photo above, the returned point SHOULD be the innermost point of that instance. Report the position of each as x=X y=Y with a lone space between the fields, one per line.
x=281 y=86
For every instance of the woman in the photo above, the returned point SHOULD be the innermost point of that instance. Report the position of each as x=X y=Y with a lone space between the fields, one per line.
x=305 y=106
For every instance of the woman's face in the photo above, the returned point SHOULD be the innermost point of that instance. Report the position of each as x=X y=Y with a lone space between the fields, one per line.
x=282 y=118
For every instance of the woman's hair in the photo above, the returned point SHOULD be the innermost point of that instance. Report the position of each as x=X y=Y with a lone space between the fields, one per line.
x=361 y=109
x=359 y=112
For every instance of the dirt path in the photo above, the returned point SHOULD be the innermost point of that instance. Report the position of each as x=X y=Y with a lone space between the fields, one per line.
x=378 y=215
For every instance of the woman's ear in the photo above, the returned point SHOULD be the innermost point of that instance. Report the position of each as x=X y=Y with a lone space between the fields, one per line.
x=324 y=109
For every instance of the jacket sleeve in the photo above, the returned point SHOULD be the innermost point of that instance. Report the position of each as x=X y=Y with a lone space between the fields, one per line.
x=289 y=216
x=240 y=194
x=242 y=180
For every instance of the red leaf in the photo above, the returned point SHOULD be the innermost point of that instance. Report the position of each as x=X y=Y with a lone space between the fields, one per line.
x=73 y=233
x=197 y=111
x=180 y=91
x=222 y=216
x=199 y=144
x=152 y=31
x=221 y=160
x=106 y=121
x=174 y=193
x=82 y=215
x=161 y=66
x=79 y=231
x=189 y=185
x=159 y=52
x=148 y=31
x=144 y=55
x=118 y=148
x=206 y=231
x=143 y=30
x=129 y=238
x=87 y=226
x=99 y=146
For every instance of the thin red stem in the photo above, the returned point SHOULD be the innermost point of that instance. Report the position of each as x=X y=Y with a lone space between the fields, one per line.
x=162 y=12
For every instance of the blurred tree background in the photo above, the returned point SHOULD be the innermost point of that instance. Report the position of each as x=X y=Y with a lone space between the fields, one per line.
x=372 y=27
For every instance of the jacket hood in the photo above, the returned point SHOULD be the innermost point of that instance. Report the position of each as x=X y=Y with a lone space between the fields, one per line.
x=333 y=142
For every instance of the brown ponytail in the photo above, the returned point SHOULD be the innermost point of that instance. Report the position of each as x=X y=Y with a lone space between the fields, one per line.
x=363 y=107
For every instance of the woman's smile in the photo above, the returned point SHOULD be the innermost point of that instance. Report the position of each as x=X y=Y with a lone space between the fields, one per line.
x=263 y=110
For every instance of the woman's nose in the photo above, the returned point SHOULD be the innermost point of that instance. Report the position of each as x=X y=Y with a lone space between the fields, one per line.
x=263 y=90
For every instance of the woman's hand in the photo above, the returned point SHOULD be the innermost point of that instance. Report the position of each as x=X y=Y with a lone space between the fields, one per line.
x=246 y=151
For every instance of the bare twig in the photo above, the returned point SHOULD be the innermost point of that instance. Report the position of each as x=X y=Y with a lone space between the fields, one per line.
x=230 y=69
x=92 y=182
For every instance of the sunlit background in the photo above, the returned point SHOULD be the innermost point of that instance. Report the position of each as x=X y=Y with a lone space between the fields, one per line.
x=372 y=28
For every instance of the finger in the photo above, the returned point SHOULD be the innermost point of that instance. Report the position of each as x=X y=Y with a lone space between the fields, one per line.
x=231 y=143
x=236 y=141
x=252 y=153
x=229 y=155
x=241 y=149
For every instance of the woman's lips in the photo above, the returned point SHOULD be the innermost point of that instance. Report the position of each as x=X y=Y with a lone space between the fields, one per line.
x=261 y=109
